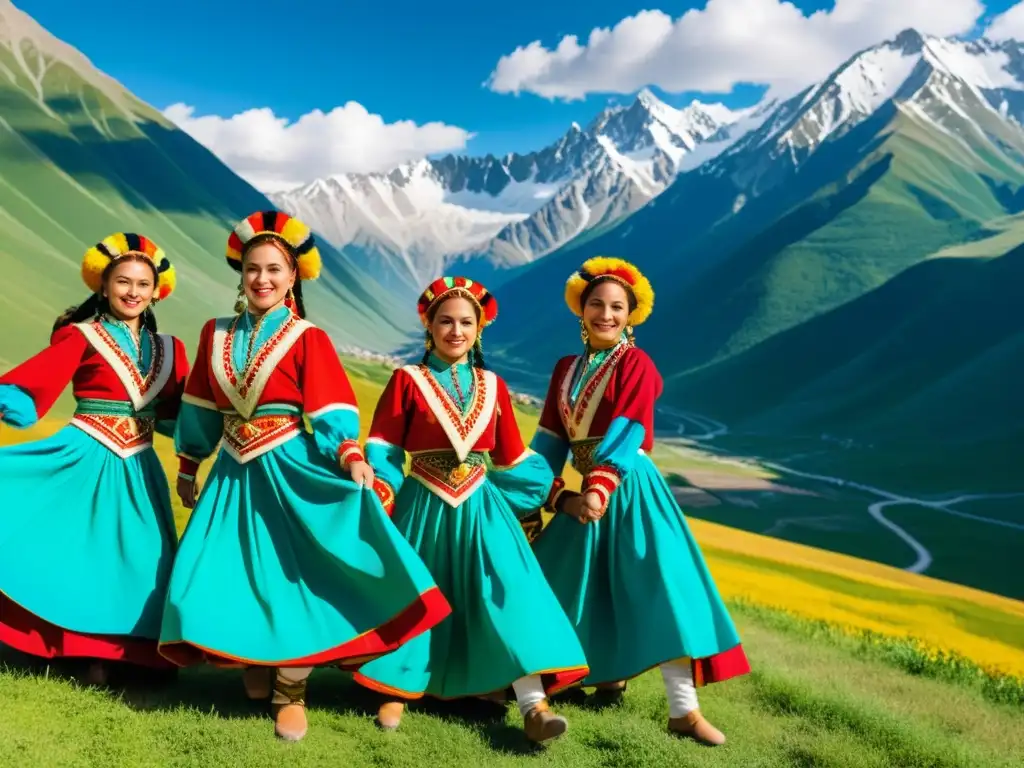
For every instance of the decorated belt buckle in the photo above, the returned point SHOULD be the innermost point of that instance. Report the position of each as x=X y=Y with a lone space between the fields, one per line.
x=460 y=473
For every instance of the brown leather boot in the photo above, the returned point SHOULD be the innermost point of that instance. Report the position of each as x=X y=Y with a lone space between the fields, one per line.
x=289 y=709
x=692 y=725
x=390 y=715
x=542 y=725
x=258 y=682
x=608 y=694
x=98 y=674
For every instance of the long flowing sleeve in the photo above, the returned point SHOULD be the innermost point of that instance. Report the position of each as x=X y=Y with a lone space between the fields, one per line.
x=199 y=424
x=329 y=400
x=523 y=476
x=29 y=391
x=385 y=448
x=169 y=407
x=632 y=425
x=551 y=440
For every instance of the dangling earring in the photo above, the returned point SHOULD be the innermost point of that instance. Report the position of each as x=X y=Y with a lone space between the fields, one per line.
x=428 y=342
x=629 y=336
x=584 y=333
x=240 y=302
x=289 y=300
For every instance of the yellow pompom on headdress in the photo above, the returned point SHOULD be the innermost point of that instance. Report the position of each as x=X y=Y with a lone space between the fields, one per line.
x=287 y=229
x=120 y=245
x=622 y=272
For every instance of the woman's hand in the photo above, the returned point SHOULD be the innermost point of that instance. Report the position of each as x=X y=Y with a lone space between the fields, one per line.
x=362 y=473
x=187 y=491
x=573 y=506
x=592 y=506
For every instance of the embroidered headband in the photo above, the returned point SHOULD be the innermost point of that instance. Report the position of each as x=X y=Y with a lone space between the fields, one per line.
x=286 y=229
x=119 y=246
x=447 y=287
x=623 y=273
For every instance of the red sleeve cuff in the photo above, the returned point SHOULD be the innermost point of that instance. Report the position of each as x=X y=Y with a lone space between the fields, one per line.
x=385 y=493
x=350 y=451
x=187 y=466
x=602 y=480
x=557 y=489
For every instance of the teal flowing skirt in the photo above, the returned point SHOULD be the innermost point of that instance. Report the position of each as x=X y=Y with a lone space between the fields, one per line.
x=505 y=622
x=636 y=587
x=87 y=541
x=284 y=562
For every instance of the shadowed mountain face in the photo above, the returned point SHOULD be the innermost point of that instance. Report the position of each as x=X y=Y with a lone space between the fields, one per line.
x=82 y=158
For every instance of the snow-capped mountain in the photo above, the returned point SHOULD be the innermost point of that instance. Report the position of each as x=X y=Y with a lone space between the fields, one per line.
x=411 y=222
x=947 y=85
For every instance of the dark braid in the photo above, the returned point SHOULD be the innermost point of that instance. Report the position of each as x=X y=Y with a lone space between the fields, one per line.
x=478 y=354
x=149 y=319
x=300 y=304
x=87 y=310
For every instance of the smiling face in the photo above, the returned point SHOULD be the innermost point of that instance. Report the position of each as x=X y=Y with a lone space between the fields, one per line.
x=605 y=314
x=267 y=274
x=129 y=288
x=454 y=329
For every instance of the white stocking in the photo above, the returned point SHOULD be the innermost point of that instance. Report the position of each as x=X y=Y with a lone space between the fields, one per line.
x=679 y=687
x=529 y=693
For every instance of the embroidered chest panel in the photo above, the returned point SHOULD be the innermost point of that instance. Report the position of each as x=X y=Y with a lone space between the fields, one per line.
x=579 y=416
x=244 y=388
x=463 y=430
x=142 y=390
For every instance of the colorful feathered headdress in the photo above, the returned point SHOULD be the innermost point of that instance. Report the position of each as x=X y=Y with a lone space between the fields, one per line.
x=623 y=273
x=120 y=245
x=289 y=230
x=447 y=287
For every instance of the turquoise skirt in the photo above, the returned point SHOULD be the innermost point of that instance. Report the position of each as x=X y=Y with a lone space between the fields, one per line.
x=636 y=587
x=505 y=622
x=284 y=562
x=87 y=541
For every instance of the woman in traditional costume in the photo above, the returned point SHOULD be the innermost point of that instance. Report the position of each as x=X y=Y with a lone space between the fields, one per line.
x=289 y=560
x=620 y=555
x=87 y=533
x=471 y=478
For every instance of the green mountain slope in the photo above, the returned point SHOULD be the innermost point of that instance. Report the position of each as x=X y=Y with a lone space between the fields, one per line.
x=80 y=158
x=925 y=368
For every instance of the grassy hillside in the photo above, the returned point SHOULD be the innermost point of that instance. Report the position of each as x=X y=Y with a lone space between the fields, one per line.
x=80 y=158
x=813 y=700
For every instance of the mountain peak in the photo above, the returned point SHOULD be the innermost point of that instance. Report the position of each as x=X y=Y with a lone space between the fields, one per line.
x=909 y=41
x=647 y=98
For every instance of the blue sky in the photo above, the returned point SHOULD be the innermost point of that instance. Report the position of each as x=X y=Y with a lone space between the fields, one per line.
x=401 y=59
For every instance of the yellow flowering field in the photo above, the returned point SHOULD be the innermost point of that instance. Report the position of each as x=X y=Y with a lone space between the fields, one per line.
x=812 y=583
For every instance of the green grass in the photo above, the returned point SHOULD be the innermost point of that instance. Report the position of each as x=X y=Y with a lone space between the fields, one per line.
x=816 y=698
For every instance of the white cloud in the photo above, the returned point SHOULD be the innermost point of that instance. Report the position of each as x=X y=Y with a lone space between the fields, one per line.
x=274 y=154
x=766 y=42
x=1008 y=25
